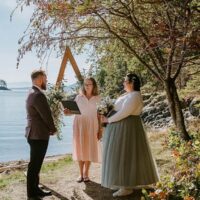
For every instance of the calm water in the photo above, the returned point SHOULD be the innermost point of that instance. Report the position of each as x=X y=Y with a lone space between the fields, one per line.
x=13 y=145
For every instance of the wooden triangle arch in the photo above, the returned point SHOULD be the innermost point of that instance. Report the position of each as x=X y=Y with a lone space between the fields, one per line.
x=68 y=56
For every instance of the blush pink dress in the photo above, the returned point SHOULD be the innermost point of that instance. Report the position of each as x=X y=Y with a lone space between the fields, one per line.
x=86 y=146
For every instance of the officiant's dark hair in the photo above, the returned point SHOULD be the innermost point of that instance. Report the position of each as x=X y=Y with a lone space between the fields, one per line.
x=134 y=79
x=37 y=73
x=95 y=91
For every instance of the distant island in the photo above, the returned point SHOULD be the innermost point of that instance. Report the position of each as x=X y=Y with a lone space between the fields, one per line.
x=3 y=85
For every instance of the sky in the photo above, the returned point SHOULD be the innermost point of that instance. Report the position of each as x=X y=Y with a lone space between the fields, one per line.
x=10 y=32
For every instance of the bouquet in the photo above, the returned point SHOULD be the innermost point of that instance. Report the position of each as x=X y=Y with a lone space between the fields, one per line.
x=55 y=95
x=106 y=107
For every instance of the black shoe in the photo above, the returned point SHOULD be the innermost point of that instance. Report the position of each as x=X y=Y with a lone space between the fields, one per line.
x=34 y=198
x=42 y=193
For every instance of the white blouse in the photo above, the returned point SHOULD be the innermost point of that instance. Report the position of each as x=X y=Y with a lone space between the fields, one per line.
x=129 y=104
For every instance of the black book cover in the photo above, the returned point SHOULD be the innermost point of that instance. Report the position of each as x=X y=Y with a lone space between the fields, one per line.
x=72 y=106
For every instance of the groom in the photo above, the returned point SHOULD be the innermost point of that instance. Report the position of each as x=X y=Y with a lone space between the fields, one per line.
x=40 y=126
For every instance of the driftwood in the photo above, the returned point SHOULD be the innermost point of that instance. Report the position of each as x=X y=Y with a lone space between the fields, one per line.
x=13 y=166
x=22 y=164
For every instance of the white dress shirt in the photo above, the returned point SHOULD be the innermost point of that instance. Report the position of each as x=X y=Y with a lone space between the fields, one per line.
x=39 y=89
x=128 y=104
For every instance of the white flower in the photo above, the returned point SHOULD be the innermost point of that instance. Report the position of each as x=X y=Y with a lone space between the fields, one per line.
x=105 y=106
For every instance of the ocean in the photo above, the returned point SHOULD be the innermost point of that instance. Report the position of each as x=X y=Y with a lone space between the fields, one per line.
x=13 y=144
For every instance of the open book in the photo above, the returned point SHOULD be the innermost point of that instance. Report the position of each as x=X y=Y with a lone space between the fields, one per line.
x=72 y=106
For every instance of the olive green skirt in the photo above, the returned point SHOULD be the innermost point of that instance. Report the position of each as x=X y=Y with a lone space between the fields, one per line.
x=127 y=159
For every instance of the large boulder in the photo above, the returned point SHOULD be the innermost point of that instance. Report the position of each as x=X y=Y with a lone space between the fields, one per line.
x=156 y=112
x=194 y=107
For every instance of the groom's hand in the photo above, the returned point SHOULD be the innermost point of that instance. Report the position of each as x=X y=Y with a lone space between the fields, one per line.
x=53 y=133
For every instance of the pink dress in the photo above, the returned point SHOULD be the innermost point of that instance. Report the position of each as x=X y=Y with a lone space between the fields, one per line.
x=86 y=146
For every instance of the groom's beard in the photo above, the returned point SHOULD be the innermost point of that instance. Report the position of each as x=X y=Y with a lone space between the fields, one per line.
x=43 y=86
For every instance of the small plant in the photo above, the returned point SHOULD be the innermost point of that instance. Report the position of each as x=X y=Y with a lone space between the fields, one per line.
x=184 y=181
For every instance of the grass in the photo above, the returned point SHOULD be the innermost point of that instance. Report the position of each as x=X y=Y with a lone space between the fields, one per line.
x=52 y=166
x=13 y=178
x=6 y=198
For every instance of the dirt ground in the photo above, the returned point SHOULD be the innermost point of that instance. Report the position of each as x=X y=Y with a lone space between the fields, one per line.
x=63 y=185
x=62 y=181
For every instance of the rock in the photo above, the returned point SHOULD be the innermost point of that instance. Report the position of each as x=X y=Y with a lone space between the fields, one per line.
x=152 y=103
x=166 y=114
x=194 y=107
x=148 y=118
x=185 y=102
x=144 y=115
x=156 y=110
x=190 y=118
x=146 y=102
x=160 y=98
x=168 y=119
x=159 y=121
x=164 y=106
x=3 y=85
x=170 y=123
x=158 y=117
x=187 y=114
x=20 y=162
x=7 y=172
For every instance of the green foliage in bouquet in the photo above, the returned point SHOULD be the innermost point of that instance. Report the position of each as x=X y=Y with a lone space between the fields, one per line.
x=105 y=106
x=184 y=181
x=55 y=95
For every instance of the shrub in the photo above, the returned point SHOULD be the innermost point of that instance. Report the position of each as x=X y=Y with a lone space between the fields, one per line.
x=184 y=181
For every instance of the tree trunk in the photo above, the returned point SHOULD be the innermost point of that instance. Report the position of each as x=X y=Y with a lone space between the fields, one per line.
x=175 y=108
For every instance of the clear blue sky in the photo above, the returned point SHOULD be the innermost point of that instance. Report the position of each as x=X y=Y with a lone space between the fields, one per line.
x=10 y=32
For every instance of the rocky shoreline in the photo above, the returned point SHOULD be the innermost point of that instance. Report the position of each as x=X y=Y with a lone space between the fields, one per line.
x=156 y=113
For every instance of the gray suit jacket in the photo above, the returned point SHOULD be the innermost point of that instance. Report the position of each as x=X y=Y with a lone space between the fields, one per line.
x=40 y=123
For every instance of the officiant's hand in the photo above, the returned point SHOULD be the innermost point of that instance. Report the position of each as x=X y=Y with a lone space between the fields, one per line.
x=104 y=119
x=67 y=111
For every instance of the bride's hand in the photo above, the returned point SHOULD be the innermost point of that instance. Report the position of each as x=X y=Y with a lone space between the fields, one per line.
x=67 y=111
x=99 y=134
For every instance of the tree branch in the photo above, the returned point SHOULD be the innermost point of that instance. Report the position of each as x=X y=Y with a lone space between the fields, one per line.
x=129 y=47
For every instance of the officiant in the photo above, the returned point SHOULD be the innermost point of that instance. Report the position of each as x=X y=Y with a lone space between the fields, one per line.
x=86 y=129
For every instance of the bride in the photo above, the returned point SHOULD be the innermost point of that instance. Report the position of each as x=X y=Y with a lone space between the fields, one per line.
x=127 y=159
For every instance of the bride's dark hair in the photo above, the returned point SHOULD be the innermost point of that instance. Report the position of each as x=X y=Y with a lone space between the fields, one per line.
x=134 y=79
